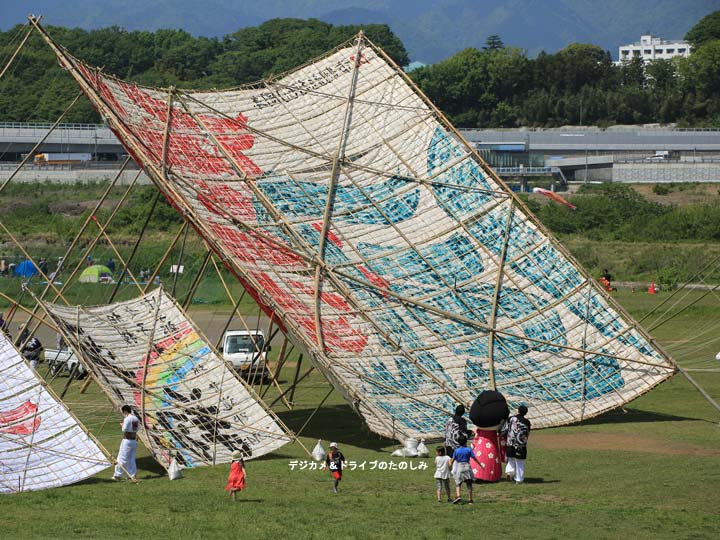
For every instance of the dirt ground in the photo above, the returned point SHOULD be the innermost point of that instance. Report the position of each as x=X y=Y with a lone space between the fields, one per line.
x=213 y=322
x=613 y=442
x=691 y=194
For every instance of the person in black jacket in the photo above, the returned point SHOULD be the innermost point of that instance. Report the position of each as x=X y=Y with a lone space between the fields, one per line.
x=518 y=432
x=456 y=428
x=32 y=349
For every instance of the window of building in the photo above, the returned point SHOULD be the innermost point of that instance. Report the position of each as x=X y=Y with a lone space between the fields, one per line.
x=636 y=53
x=648 y=51
x=659 y=51
x=681 y=51
x=670 y=51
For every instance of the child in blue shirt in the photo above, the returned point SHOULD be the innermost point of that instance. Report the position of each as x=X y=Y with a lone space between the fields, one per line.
x=462 y=471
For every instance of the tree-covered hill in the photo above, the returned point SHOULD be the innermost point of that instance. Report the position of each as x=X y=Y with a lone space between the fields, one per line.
x=36 y=89
x=495 y=86
x=501 y=86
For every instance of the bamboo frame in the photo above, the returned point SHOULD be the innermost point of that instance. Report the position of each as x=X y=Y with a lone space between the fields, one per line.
x=335 y=275
x=496 y=297
x=334 y=176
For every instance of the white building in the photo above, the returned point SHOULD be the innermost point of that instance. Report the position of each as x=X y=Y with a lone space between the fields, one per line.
x=654 y=48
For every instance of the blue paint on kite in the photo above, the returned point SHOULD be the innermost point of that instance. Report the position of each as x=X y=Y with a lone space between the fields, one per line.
x=549 y=270
x=491 y=229
x=600 y=375
x=384 y=203
x=608 y=323
x=455 y=201
x=405 y=338
x=442 y=263
x=547 y=327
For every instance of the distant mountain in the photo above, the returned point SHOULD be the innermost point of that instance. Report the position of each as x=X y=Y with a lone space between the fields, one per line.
x=431 y=29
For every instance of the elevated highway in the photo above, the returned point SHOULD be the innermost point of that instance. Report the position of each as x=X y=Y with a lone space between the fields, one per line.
x=97 y=138
x=19 y=138
x=580 y=140
x=624 y=154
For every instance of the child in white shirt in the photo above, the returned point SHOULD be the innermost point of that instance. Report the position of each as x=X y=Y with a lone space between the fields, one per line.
x=442 y=473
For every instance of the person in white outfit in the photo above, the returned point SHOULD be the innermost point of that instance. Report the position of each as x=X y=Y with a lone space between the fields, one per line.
x=442 y=473
x=517 y=437
x=128 y=446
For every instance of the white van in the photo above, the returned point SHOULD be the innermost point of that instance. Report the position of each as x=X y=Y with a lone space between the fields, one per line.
x=247 y=352
x=63 y=361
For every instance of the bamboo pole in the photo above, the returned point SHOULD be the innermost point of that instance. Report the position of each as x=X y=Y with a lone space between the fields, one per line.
x=165 y=256
x=134 y=251
x=274 y=374
x=329 y=203
x=295 y=380
x=322 y=402
x=291 y=388
x=17 y=51
x=146 y=361
x=496 y=298
x=179 y=262
x=699 y=388
x=196 y=282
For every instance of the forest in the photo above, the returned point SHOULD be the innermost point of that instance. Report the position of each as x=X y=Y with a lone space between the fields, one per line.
x=496 y=86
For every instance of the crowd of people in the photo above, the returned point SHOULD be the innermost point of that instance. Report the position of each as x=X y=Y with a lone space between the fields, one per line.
x=453 y=460
x=482 y=460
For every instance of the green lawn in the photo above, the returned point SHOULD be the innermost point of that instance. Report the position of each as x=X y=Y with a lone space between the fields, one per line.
x=650 y=472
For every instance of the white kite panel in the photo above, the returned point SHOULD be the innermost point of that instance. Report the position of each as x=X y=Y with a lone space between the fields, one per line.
x=41 y=444
x=145 y=353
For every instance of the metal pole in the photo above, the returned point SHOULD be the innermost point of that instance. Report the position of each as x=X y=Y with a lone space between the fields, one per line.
x=295 y=379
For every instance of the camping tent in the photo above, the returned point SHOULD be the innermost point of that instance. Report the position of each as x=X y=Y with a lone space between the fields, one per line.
x=97 y=273
x=26 y=269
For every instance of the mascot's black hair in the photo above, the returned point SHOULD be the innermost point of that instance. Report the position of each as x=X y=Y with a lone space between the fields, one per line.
x=489 y=409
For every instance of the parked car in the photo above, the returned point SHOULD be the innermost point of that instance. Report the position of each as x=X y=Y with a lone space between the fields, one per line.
x=247 y=352
x=63 y=361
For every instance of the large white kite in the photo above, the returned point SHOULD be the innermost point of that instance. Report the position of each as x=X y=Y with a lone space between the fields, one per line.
x=350 y=209
x=42 y=445
x=193 y=407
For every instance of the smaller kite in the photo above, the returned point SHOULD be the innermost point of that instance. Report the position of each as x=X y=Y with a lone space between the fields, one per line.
x=554 y=196
x=42 y=444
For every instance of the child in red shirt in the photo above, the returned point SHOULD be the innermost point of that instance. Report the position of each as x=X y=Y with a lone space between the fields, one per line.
x=236 y=479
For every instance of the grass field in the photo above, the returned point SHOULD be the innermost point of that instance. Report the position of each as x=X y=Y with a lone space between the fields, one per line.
x=649 y=472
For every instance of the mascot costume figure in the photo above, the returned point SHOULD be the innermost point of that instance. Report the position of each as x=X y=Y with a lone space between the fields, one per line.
x=489 y=413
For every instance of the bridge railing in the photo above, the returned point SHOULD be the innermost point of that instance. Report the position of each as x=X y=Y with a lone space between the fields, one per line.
x=44 y=125
x=87 y=165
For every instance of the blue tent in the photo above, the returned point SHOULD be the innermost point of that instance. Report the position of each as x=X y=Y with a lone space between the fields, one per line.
x=26 y=269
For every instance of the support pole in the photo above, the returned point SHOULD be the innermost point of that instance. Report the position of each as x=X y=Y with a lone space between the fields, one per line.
x=17 y=51
x=295 y=380
x=135 y=248
x=299 y=431
x=700 y=389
